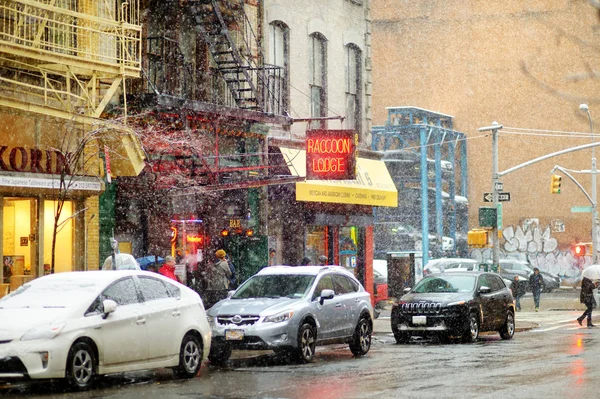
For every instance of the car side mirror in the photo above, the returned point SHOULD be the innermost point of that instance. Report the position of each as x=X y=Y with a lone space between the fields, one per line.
x=109 y=306
x=230 y=293
x=407 y=290
x=484 y=290
x=326 y=294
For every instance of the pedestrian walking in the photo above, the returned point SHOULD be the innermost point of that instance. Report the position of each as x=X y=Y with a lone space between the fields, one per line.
x=217 y=280
x=272 y=254
x=587 y=297
x=322 y=260
x=233 y=278
x=518 y=290
x=168 y=268
x=536 y=282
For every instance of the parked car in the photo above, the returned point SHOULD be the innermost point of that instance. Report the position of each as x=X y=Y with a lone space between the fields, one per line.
x=511 y=267
x=455 y=304
x=79 y=325
x=441 y=264
x=291 y=310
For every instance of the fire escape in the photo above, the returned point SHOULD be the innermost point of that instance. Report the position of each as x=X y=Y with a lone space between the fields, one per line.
x=66 y=59
x=237 y=85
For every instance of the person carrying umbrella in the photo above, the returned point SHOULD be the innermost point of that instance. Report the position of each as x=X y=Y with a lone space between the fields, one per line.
x=587 y=297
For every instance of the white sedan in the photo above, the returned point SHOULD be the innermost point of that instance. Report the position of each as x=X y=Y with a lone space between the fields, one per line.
x=79 y=325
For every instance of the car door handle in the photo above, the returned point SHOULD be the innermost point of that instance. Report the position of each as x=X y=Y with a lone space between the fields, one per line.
x=338 y=305
x=357 y=300
x=176 y=313
x=140 y=321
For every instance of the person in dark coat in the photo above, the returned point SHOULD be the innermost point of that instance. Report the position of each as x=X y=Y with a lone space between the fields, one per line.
x=587 y=297
x=536 y=282
x=305 y=261
x=518 y=290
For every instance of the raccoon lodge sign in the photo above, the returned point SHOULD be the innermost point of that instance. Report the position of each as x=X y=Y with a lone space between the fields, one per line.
x=33 y=160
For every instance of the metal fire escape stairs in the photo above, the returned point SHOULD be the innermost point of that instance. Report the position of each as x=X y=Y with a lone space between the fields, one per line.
x=233 y=58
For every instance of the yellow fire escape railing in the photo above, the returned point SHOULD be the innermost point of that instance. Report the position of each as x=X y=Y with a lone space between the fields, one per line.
x=65 y=57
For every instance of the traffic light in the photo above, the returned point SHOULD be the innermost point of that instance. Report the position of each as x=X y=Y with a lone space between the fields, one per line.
x=579 y=250
x=477 y=238
x=555 y=184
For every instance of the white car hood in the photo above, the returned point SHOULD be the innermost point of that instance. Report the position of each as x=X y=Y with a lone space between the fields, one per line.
x=17 y=321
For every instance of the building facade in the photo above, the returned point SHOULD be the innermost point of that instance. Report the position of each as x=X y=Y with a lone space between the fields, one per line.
x=525 y=65
x=324 y=49
x=62 y=66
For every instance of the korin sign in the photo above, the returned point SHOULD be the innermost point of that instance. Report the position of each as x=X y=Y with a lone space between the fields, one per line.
x=330 y=155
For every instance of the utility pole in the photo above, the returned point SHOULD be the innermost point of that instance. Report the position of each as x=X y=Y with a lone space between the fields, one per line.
x=585 y=108
x=495 y=184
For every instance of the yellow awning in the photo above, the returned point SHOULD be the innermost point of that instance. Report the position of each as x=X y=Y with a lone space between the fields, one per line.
x=373 y=185
x=127 y=156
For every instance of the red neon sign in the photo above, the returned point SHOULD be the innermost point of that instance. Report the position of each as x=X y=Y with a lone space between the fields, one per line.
x=330 y=155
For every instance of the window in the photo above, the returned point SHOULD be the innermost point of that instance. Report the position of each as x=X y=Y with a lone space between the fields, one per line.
x=343 y=285
x=123 y=292
x=277 y=98
x=353 y=86
x=318 y=80
x=153 y=289
x=324 y=284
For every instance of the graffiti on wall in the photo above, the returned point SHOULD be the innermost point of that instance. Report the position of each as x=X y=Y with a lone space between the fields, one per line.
x=532 y=242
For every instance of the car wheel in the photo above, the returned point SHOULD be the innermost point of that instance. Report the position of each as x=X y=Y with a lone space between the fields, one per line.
x=219 y=354
x=361 y=340
x=190 y=357
x=508 y=329
x=307 y=340
x=81 y=366
x=472 y=331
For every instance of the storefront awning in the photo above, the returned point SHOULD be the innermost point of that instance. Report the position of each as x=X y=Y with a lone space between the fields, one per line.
x=127 y=155
x=373 y=185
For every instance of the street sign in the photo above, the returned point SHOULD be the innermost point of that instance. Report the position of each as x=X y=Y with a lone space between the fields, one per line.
x=502 y=197
x=581 y=209
x=498 y=186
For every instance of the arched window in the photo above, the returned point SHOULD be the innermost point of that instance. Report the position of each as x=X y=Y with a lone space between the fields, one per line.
x=353 y=88
x=318 y=79
x=278 y=73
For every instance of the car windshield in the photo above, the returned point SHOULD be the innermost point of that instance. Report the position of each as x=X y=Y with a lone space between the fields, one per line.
x=445 y=284
x=63 y=294
x=275 y=286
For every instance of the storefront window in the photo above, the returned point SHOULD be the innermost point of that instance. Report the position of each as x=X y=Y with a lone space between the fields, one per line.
x=63 y=260
x=348 y=247
x=16 y=244
x=316 y=243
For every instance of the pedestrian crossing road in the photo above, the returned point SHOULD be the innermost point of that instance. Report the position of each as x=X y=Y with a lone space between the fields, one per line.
x=552 y=321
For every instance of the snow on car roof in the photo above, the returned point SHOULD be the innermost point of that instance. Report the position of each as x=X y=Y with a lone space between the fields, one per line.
x=310 y=270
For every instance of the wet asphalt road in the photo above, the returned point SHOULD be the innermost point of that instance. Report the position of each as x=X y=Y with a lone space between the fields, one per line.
x=558 y=359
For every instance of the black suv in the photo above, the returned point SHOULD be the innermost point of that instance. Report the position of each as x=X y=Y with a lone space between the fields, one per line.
x=455 y=304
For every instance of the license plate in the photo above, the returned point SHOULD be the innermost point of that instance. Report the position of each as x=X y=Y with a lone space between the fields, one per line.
x=234 y=335
x=420 y=320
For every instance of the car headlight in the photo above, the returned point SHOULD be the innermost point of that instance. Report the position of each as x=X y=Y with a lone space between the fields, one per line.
x=278 y=318
x=211 y=319
x=47 y=331
x=456 y=303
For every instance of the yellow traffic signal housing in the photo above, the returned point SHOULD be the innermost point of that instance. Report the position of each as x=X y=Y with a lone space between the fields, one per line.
x=555 y=184
x=477 y=238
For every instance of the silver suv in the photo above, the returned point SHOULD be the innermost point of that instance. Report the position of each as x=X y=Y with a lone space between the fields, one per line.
x=291 y=310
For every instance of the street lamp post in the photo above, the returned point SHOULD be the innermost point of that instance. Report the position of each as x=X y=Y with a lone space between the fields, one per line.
x=585 y=108
x=495 y=184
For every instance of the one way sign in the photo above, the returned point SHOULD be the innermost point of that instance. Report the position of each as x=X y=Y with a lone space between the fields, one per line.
x=502 y=197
